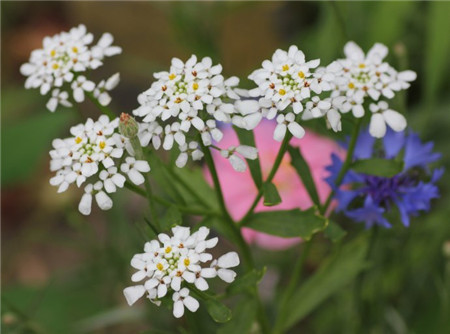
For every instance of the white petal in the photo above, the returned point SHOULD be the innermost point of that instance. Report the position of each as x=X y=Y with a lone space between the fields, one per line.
x=296 y=130
x=133 y=293
x=377 y=127
x=178 y=309
x=104 y=201
x=407 y=75
x=191 y=303
x=247 y=151
x=85 y=204
x=395 y=120
x=176 y=283
x=226 y=275
x=201 y=284
x=280 y=132
x=237 y=163
x=136 y=177
x=228 y=260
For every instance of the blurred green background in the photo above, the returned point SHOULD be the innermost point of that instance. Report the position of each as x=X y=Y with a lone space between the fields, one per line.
x=63 y=273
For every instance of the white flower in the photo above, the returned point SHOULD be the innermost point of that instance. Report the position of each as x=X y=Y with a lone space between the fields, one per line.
x=186 y=101
x=222 y=265
x=182 y=299
x=170 y=264
x=57 y=98
x=61 y=58
x=360 y=76
x=79 y=86
x=103 y=87
x=133 y=168
x=382 y=115
x=93 y=154
x=287 y=123
x=236 y=162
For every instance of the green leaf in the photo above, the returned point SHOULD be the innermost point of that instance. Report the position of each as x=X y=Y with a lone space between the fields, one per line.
x=244 y=316
x=271 y=195
x=25 y=144
x=218 y=311
x=247 y=138
x=334 y=232
x=172 y=218
x=336 y=272
x=378 y=167
x=302 y=169
x=249 y=280
x=291 y=223
x=437 y=50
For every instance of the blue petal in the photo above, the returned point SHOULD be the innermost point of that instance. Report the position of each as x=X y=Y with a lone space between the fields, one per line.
x=393 y=142
x=417 y=153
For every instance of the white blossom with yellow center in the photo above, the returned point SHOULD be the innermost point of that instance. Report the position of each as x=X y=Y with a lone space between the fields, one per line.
x=171 y=263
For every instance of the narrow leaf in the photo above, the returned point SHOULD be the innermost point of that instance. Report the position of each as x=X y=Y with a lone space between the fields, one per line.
x=271 y=195
x=244 y=316
x=338 y=271
x=218 y=311
x=378 y=167
x=334 y=232
x=243 y=283
x=172 y=218
x=291 y=223
x=247 y=138
x=302 y=168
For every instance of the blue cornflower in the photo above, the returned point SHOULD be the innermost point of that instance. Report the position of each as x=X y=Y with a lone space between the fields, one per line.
x=367 y=198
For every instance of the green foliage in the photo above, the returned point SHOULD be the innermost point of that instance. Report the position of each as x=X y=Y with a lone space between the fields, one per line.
x=218 y=311
x=378 y=167
x=302 y=169
x=339 y=270
x=25 y=143
x=171 y=218
x=288 y=224
x=244 y=315
x=271 y=195
x=246 y=282
x=334 y=232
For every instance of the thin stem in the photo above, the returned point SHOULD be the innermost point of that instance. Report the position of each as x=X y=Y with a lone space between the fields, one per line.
x=166 y=203
x=293 y=283
x=345 y=166
x=273 y=171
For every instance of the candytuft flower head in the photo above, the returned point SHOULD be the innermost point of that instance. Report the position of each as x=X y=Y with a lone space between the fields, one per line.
x=367 y=198
x=63 y=57
x=361 y=78
x=183 y=105
x=288 y=80
x=93 y=155
x=173 y=264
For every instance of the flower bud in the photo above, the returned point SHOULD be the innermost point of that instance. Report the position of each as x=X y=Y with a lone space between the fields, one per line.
x=128 y=126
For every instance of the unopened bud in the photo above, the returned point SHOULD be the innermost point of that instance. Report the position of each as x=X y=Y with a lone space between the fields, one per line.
x=128 y=126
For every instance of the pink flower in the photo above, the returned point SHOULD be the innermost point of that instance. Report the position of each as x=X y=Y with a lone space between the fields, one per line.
x=240 y=191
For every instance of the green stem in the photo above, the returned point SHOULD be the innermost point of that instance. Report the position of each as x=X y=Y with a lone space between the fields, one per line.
x=166 y=203
x=140 y=156
x=293 y=283
x=231 y=225
x=273 y=171
x=345 y=166
x=105 y=110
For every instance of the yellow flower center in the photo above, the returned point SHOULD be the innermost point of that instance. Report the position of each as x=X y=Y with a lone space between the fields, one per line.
x=78 y=140
x=159 y=266
x=301 y=74
x=102 y=145
x=75 y=49
x=186 y=261
x=52 y=53
x=285 y=67
x=351 y=85
x=55 y=66
x=282 y=91
x=195 y=86
x=168 y=250
x=362 y=65
x=172 y=76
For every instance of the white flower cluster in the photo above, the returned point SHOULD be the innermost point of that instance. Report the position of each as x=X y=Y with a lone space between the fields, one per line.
x=285 y=81
x=360 y=78
x=182 y=107
x=94 y=154
x=57 y=67
x=170 y=264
